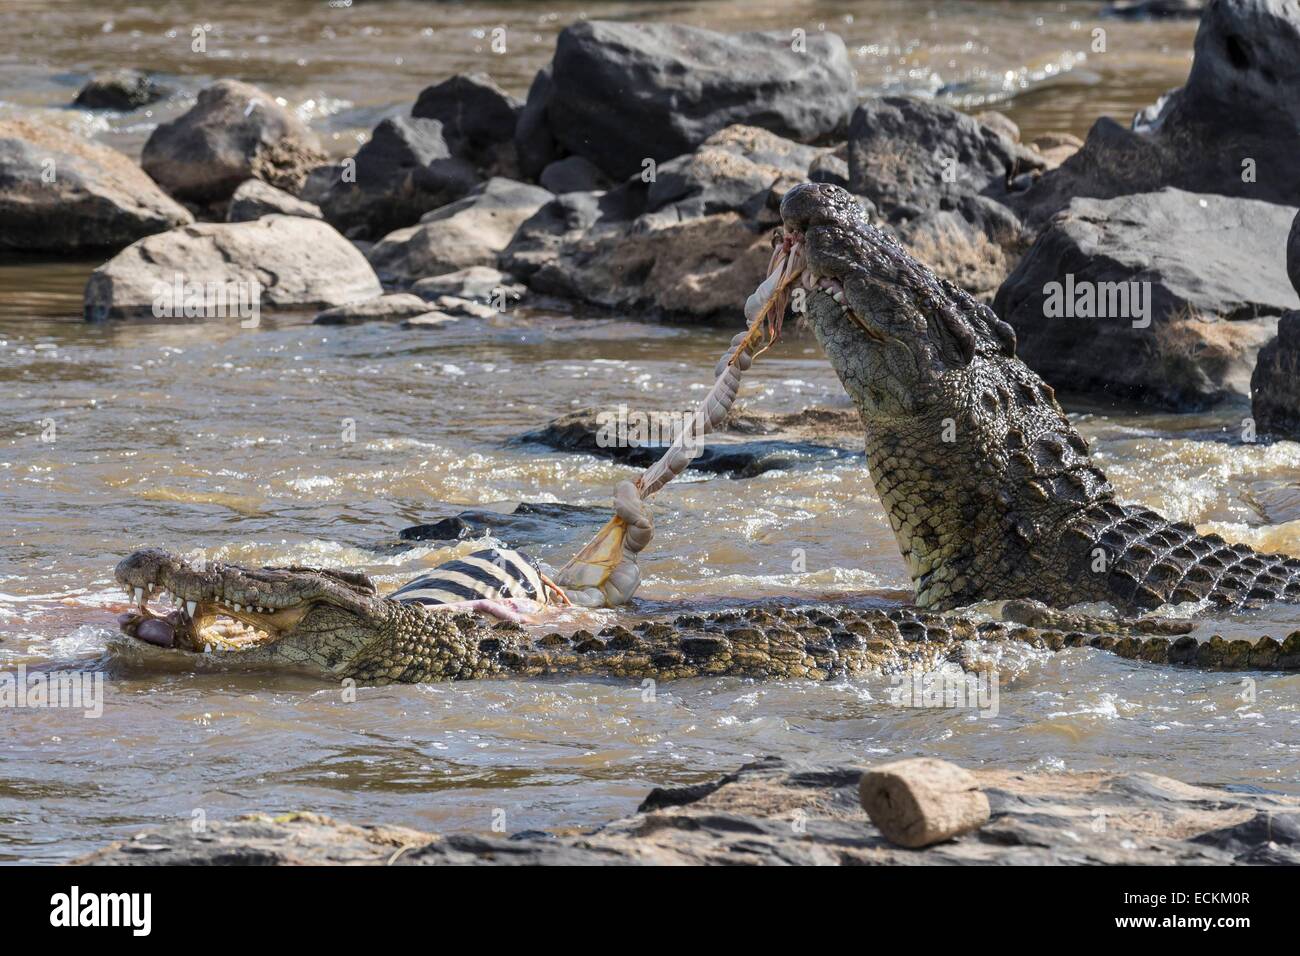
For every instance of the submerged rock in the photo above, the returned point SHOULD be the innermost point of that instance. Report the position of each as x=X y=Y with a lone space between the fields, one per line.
x=526 y=525
x=624 y=93
x=469 y=232
x=121 y=90
x=642 y=439
x=386 y=308
x=234 y=132
x=60 y=193
x=285 y=262
x=781 y=813
x=405 y=170
x=255 y=199
x=1164 y=297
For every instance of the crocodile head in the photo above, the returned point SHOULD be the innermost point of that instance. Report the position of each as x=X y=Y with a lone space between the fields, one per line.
x=312 y=614
x=973 y=459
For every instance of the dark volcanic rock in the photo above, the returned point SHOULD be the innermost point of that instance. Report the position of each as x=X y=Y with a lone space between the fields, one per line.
x=1293 y=253
x=475 y=113
x=405 y=170
x=234 y=132
x=623 y=93
x=527 y=525
x=62 y=194
x=774 y=812
x=1216 y=285
x=588 y=431
x=121 y=90
x=535 y=145
x=1230 y=130
x=939 y=179
x=573 y=174
x=1275 y=385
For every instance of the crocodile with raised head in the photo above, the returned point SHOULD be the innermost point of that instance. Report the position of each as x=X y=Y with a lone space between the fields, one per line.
x=989 y=489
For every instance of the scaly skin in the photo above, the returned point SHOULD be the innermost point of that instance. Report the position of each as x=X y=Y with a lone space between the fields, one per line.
x=989 y=489
x=336 y=627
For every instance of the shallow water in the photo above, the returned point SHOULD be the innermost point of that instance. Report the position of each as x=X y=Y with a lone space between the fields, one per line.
x=229 y=442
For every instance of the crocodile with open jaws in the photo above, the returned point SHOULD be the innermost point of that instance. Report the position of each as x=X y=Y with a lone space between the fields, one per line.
x=989 y=490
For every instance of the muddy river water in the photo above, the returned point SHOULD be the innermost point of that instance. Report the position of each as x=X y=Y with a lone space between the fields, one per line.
x=229 y=442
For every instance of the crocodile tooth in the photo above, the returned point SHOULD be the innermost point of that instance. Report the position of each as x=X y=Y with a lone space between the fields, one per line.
x=139 y=595
x=239 y=608
x=189 y=608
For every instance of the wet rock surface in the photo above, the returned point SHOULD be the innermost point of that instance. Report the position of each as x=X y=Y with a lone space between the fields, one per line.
x=62 y=194
x=234 y=132
x=121 y=90
x=589 y=431
x=1207 y=269
x=525 y=525
x=297 y=263
x=390 y=308
x=787 y=812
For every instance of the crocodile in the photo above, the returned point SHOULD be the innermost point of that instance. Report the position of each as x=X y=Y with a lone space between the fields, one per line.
x=990 y=491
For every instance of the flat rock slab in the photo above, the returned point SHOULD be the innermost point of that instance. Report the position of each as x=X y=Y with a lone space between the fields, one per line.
x=777 y=812
x=586 y=431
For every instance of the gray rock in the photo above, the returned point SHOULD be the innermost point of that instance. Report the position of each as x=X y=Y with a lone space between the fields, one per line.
x=469 y=232
x=477 y=283
x=623 y=93
x=296 y=263
x=234 y=132
x=430 y=320
x=476 y=115
x=586 y=431
x=747 y=817
x=385 y=308
x=535 y=145
x=573 y=174
x=524 y=525
x=562 y=223
x=60 y=193
x=831 y=168
x=1216 y=285
x=121 y=90
x=939 y=178
x=403 y=171
x=741 y=168
x=1275 y=383
x=255 y=199
x=1000 y=122
x=1230 y=130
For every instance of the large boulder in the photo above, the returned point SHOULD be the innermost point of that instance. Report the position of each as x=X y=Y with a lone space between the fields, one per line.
x=1275 y=384
x=477 y=116
x=535 y=144
x=622 y=93
x=404 y=170
x=1164 y=297
x=469 y=232
x=1233 y=129
x=294 y=262
x=61 y=193
x=234 y=132
x=121 y=90
x=255 y=199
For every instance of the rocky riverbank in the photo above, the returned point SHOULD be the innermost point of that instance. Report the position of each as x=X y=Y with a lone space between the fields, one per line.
x=777 y=812
x=642 y=174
